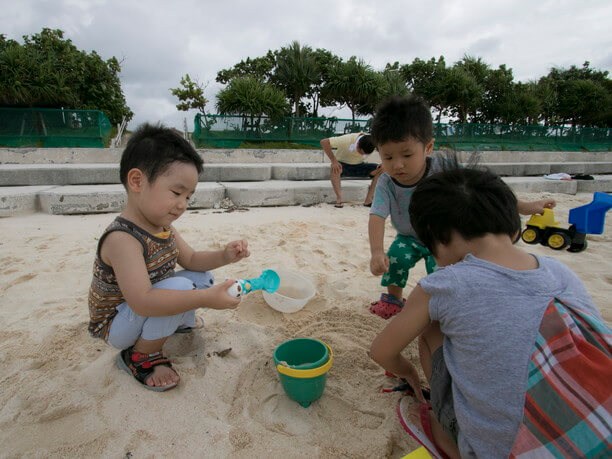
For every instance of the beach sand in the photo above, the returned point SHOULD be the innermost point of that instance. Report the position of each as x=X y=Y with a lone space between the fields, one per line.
x=62 y=395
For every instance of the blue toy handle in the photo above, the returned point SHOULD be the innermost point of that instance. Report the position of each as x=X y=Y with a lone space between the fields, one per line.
x=590 y=218
x=268 y=281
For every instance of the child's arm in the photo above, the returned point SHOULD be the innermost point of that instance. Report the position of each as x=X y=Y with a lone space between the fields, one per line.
x=124 y=254
x=387 y=347
x=208 y=260
x=379 y=262
x=535 y=207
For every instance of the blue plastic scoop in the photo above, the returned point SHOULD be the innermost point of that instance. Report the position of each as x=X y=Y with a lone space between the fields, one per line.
x=268 y=281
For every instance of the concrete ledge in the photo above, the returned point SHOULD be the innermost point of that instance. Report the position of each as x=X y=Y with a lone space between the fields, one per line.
x=601 y=183
x=539 y=185
x=290 y=193
x=238 y=172
x=537 y=156
x=58 y=174
x=85 y=174
x=301 y=171
x=113 y=155
x=81 y=199
x=20 y=199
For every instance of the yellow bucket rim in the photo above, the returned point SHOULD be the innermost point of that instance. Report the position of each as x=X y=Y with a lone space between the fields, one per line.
x=311 y=373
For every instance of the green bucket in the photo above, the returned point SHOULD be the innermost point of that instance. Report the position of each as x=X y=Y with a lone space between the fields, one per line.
x=302 y=366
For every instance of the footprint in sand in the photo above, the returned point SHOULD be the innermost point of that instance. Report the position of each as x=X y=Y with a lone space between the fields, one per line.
x=20 y=280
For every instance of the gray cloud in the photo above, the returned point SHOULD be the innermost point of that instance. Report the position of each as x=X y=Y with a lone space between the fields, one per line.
x=159 y=41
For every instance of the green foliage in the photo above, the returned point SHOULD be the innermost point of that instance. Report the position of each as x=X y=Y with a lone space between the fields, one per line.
x=49 y=71
x=261 y=68
x=252 y=97
x=468 y=91
x=191 y=95
x=296 y=72
x=355 y=84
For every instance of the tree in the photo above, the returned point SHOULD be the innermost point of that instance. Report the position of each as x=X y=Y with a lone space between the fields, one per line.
x=354 y=84
x=426 y=79
x=252 y=98
x=49 y=71
x=582 y=96
x=191 y=95
x=460 y=92
x=296 y=72
x=261 y=68
x=324 y=60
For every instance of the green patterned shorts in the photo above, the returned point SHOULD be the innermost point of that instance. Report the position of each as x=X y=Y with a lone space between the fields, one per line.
x=404 y=253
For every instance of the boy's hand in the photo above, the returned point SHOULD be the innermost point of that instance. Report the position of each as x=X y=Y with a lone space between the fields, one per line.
x=537 y=207
x=379 y=263
x=336 y=167
x=235 y=251
x=219 y=298
x=412 y=376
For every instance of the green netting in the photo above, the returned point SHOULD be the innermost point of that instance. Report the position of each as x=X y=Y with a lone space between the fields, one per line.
x=230 y=131
x=226 y=131
x=47 y=127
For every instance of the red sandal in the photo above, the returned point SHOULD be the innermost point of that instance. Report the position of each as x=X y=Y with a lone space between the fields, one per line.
x=387 y=306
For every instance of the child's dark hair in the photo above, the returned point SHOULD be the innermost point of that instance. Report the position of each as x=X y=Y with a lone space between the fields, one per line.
x=470 y=201
x=398 y=118
x=153 y=148
x=366 y=144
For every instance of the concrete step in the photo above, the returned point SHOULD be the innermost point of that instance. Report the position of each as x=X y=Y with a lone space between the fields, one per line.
x=84 y=199
x=113 y=155
x=85 y=174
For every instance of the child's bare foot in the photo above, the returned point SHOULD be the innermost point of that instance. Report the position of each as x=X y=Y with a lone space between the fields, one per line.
x=162 y=376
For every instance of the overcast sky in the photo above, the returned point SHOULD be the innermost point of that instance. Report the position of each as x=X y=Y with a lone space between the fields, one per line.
x=159 y=41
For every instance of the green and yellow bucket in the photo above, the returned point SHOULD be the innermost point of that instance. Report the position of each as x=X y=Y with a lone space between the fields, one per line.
x=302 y=366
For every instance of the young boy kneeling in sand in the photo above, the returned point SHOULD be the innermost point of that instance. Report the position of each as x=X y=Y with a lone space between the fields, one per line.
x=477 y=319
x=136 y=300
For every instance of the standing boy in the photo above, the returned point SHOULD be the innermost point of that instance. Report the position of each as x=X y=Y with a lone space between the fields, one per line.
x=349 y=161
x=402 y=130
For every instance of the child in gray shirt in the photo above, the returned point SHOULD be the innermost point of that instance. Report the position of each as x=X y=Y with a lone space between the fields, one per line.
x=478 y=315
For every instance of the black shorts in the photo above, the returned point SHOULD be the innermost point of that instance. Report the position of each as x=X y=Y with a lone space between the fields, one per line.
x=357 y=170
x=442 y=395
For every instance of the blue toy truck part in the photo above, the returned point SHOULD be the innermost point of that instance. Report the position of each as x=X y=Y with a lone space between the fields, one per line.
x=590 y=218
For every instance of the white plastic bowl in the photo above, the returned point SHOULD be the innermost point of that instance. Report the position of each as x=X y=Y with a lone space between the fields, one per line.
x=293 y=292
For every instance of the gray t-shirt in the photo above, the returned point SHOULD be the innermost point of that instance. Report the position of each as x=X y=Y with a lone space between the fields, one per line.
x=392 y=198
x=490 y=316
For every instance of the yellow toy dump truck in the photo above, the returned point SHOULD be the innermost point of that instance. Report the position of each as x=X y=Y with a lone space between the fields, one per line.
x=588 y=219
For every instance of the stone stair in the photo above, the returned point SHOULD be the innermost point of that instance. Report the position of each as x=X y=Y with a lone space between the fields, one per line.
x=75 y=181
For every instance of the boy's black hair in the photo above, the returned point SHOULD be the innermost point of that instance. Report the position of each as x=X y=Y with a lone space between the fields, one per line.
x=366 y=144
x=153 y=148
x=470 y=201
x=398 y=118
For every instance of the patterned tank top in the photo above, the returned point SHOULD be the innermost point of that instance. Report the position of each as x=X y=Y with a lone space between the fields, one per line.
x=160 y=256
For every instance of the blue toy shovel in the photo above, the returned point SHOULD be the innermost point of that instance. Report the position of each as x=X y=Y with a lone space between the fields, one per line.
x=268 y=281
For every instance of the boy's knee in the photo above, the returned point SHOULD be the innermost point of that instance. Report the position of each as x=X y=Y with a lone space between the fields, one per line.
x=176 y=283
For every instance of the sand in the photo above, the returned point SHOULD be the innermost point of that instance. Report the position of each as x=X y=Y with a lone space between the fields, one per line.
x=61 y=394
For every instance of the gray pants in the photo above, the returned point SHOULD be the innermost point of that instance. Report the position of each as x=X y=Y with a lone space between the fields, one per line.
x=127 y=326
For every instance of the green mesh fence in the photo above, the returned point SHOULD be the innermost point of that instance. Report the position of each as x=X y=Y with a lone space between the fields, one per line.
x=226 y=131
x=230 y=131
x=47 y=127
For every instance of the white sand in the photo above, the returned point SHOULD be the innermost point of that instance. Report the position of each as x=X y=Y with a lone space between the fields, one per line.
x=61 y=394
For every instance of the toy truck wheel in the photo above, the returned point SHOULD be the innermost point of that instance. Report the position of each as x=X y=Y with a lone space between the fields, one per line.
x=558 y=241
x=531 y=235
x=578 y=246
